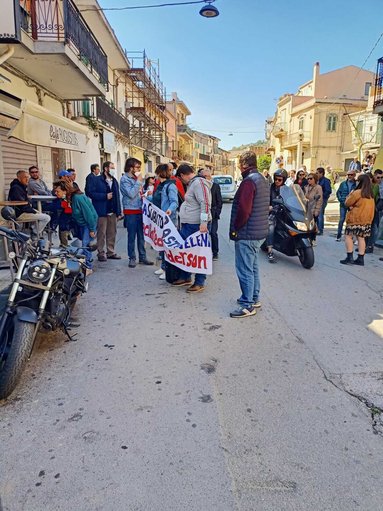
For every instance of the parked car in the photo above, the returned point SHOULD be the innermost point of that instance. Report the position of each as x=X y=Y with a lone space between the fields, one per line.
x=227 y=185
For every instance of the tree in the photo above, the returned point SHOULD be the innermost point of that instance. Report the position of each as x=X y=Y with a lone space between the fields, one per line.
x=264 y=162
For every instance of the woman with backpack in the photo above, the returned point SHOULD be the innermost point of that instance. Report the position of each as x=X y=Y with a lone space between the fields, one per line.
x=83 y=213
x=165 y=198
x=360 y=206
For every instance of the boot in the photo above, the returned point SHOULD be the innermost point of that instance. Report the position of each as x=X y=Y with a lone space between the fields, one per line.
x=360 y=260
x=349 y=259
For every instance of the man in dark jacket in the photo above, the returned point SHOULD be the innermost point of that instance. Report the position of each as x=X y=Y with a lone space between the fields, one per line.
x=94 y=174
x=25 y=213
x=216 y=208
x=248 y=228
x=325 y=183
x=345 y=188
x=105 y=194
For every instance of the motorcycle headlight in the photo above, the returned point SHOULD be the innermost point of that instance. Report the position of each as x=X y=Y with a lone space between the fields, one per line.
x=301 y=226
x=39 y=272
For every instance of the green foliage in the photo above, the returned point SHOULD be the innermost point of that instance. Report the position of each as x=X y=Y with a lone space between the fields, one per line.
x=264 y=162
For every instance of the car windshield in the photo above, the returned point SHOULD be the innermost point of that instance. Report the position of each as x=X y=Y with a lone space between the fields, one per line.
x=223 y=180
x=296 y=202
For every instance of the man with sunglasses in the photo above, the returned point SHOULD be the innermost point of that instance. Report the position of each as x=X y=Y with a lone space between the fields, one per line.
x=36 y=186
x=345 y=188
x=279 y=179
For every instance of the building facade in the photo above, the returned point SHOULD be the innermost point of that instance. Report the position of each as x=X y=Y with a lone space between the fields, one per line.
x=312 y=127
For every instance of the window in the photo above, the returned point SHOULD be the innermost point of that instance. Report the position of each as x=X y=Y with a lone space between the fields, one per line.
x=367 y=87
x=359 y=128
x=332 y=120
x=301 y=123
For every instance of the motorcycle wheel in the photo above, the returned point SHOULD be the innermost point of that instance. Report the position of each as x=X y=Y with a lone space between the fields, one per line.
x=16 y=348
x=306 y=257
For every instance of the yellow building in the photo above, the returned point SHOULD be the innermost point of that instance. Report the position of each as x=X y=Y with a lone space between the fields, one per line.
x=312 y=126
x=184 y=145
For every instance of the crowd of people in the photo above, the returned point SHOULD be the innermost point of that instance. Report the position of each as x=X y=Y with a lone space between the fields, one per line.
x=194 y=203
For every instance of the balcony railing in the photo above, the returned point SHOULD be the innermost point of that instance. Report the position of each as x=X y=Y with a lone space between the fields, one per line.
x=108 y=115
x=61 y=21
x=204 y=157
x=183 y=128
x=295 y=138
x=378 y=99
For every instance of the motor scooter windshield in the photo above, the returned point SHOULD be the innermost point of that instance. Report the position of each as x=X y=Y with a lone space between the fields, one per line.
x=296 y=202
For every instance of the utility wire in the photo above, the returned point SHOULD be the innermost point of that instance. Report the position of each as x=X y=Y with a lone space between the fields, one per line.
x=142 y=6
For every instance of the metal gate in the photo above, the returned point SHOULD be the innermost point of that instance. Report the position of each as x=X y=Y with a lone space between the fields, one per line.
x=16 y=155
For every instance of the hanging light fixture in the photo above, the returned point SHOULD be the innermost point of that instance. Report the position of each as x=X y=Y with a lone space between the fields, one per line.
x=209 y=11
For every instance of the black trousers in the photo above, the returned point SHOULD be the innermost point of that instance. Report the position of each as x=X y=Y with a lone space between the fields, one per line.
x=214 y=236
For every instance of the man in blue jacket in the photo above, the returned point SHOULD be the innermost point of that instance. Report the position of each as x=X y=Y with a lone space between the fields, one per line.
x=105 y=194
x=326 y=188
x=345 y=188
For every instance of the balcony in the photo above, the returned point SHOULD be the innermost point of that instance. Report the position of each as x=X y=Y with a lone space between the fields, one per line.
x=109 y=116
x=58 y=50
x=204 y=157
x=378 y=99
x=184 y=130
x=293 y=139
x=279 y=130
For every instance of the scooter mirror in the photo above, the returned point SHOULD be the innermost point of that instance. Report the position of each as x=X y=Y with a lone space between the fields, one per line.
x=8 y=213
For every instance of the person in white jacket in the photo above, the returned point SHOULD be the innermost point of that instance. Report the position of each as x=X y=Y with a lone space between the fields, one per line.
x=195 y=215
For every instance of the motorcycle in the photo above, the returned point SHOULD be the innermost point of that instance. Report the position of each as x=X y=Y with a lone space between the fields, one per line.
x=43 y=293
x=295 y=227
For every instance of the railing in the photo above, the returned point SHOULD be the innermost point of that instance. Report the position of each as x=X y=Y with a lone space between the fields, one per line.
x=183 y=128
x=378 y=99
x=295 y=138
x=61 y=21
x=204 y=157
x=112 y=117
x=279 y=129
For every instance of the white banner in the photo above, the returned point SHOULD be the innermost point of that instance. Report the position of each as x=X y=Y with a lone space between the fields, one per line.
x=192 y=255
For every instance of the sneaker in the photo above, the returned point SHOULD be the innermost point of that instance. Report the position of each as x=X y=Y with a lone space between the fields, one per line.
x=181 y=282
x=160 y=271
x=132 y=263
x=146 y=262
x=195 y=288
x=338 y=239
x=369 y=250
x=163 y=276
x=243 y=312
x=313 y=243
x=256 y=304
x=271 y=258
x=215 y=257
x=102 y=258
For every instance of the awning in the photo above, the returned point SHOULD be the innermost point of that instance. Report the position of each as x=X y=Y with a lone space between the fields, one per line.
x=39 y=126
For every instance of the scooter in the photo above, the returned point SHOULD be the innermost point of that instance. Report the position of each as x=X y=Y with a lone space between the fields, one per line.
x=295 y=227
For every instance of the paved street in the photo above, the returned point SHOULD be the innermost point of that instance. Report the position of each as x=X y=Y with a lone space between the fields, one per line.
x=166 y=404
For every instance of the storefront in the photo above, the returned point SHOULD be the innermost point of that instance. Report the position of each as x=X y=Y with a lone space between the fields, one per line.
x=32 y=135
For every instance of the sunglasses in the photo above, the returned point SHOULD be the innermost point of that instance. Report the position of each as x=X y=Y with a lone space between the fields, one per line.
x=310 y=178
x=278 y=179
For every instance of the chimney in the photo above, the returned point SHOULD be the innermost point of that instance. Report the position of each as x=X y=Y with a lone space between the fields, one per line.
x=316 y=73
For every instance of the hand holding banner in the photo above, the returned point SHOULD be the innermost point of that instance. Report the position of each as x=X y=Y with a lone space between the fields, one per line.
x=191 y=255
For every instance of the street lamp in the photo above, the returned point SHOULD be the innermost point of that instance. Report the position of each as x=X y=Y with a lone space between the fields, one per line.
x=209 y=11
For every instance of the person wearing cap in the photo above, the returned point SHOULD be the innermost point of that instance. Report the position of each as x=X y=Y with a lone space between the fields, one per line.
x=345 y=188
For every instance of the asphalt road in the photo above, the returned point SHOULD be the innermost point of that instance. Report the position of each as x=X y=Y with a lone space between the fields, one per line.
x=166 y=404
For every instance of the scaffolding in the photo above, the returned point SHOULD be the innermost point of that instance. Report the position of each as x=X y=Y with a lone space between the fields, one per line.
x=145 y=97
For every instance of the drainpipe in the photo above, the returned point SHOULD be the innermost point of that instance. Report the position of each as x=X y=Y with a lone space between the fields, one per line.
x=7 y=54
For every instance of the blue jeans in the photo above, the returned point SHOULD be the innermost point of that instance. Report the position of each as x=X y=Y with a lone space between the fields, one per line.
x=199 y=279
x=85 y=238
x=246 y=265
x=135 y=228
x=214 y=236
x=321 y=217
x=342 y=218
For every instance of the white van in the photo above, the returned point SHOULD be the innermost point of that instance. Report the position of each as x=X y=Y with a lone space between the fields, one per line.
x=227 y=185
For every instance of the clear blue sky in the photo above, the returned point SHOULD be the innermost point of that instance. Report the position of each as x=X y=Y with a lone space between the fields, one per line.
x=231 y=69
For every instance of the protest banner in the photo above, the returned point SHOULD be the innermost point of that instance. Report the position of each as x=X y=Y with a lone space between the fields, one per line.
x=192 y=255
